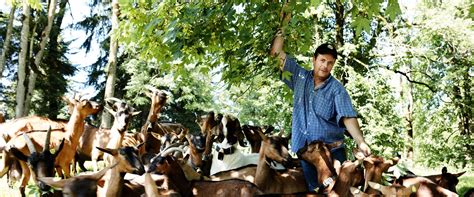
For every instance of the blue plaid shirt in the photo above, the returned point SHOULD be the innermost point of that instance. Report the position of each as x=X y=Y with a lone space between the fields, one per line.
x=317 y=112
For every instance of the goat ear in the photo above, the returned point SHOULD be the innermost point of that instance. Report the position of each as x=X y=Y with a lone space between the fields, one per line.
x=136 y=113
x=459 y=174
x=444 y=170
x=58 y=184
x=108 y=150
x=59 y=148
x=18 y=154
x=101 y=182
x=262 y=135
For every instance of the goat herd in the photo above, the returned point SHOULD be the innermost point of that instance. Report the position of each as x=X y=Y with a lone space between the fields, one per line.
x=165 y=159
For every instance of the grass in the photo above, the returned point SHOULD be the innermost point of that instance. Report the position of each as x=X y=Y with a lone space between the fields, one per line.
x=466 y=182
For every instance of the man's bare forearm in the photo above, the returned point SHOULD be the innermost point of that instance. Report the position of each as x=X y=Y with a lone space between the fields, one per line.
x=277 y=49
x=352 y=125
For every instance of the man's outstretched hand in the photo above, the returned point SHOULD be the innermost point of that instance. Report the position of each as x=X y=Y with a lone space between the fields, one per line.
x=364 y=148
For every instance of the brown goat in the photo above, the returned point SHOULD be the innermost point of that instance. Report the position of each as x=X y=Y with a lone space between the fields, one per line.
x=350 y=173
x=168 y=166
x=122 y=113
x=416 y=186
x=209 y=129
x=269 y=180
x=446 y=179
x=73 y=131
x=393 y=190
x=252 y=135
x=374 y=167
x=128 y=161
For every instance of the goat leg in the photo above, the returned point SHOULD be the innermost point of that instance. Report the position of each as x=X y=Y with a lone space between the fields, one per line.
x=24 y=178
x=59 y=171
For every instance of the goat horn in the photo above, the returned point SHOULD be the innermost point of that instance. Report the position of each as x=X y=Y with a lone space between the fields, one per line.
x=170 y=150
x=48 y=139
x=29 y=143
x=151 y=88
x=171 y=146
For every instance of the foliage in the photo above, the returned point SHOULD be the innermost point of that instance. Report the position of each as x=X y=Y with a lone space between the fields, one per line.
x=436 y=54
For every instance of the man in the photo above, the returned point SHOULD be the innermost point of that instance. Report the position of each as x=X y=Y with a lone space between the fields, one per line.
x=322 y=108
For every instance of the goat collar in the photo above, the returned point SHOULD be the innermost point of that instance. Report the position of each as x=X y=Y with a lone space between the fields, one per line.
x=224 y=151
x=327 y=183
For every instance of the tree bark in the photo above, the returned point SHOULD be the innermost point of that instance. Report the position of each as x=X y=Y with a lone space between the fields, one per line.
x=112 y=63
x=25 y=34
x=39 y=56
x=408 y=149
x=6 y=44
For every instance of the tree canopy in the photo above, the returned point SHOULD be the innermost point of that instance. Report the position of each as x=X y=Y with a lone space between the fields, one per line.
x=407 y=66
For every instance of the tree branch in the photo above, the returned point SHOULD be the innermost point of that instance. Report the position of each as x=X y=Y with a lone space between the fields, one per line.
x=396 y=71
x=412 y=81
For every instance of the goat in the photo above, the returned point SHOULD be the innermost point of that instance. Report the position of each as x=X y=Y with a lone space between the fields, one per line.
x=251 y=133
x=73 y=131
x=226 y=156
x=128 y=160
x=268 y=179
x=151 y=126
x=158 y=100
x=110 y=138
x=209 y=126
x=374 y=167
x=446 y=179
x=41 y=163
x=167 y=165
x=416 y=186
x=350 y=173
x=79 y=186
x=393 y=190
x=195 y=150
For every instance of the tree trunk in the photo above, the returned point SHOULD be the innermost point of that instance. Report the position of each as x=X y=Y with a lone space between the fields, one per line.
x=39 y=56
x=25 y=34
x=54 y=104
x=339 y=24
x=339 y=13
x=408 y=149
x=6 y=43
x=112 y=63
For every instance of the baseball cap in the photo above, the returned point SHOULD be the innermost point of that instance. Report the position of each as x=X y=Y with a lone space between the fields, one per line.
x=326 y=48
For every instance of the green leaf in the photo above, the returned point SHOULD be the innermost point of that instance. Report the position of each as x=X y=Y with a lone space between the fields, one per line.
x=393 y=9
x=471 y=12
x=287 y=75
x=315 y=3
x=361 y=24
